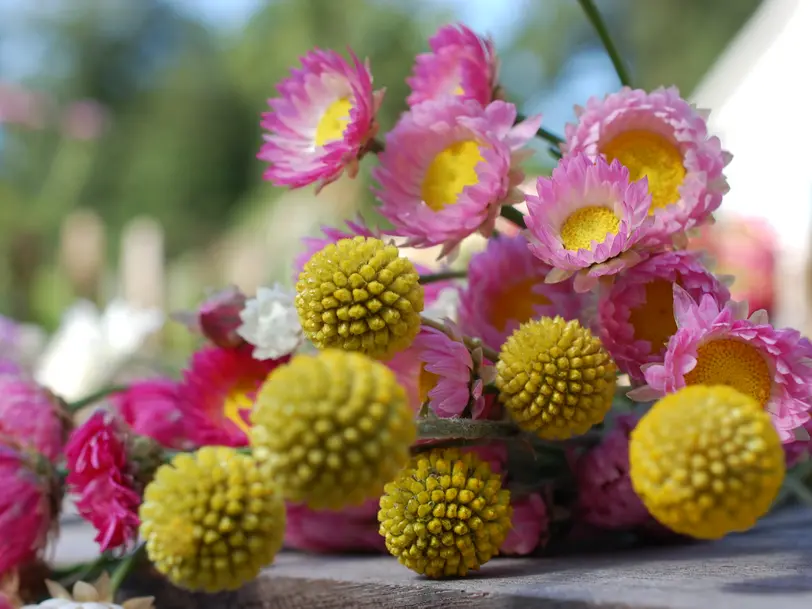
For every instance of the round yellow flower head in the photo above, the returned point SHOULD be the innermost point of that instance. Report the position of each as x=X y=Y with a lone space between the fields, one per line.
x=359 y=295
x=555 y=378
x=333 y=427
x=706 y=461
x=212 y=519
x=445 y=514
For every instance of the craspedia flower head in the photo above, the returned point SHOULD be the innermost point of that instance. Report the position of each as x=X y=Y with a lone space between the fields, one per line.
x=212 y=519
x=329 y=234
x=555 y=378
x=360 y=295
x=333 y=427
x=706 y=461
x=586 y=219
x=461 y=64
x=445 y=514
x=660 y=136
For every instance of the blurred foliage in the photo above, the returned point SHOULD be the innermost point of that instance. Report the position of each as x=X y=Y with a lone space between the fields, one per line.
x=184 y=104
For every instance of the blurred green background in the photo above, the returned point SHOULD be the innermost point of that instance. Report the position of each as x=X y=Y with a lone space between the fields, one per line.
x=132 y=126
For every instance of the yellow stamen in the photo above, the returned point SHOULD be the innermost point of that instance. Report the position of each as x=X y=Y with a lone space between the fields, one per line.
x=236 y=403
x=653 y=320
x=586 y=225
x=449 y=173
x=646 y=153
x=334 y=121
x=459 y=90
x=517 y=302
x=425 y=383
x=733 y=363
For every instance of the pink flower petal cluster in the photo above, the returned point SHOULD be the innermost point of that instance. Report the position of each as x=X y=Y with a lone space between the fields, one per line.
x=353 y=529
x=154 y=408
x=531 y=526
x=461 y=64
x=431 y=128
x=99 y=478
x=579 y=183
x=31 y=416
x=296 y=157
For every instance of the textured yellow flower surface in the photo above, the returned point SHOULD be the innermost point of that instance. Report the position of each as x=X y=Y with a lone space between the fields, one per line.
x=445 y=514
x=333 y=427
x=555 y=378
x=212 y=519
x=706 y=461
x=359 y=294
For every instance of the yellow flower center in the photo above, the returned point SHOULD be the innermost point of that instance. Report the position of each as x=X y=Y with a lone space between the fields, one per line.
x=425 y=383
x=449 y=173
x=333 y=122
x=733 y=363
x=237 y=402
x=586 y=225
x=459 y=90
x=517 y=302
x=653 y=320
x=646 y=153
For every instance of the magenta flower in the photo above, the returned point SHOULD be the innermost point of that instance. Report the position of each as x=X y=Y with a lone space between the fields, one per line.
x=531 y=524
x=719 y=345
x=353 y=529
x=461 y=64
x=586 y=219
x=659 y=136
x=506 y=288
x=448 y=168
x=153 y=408
x=322 y=121
x=636 y=316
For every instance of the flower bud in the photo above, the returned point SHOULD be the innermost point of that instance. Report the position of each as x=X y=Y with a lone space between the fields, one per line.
x=219 y=317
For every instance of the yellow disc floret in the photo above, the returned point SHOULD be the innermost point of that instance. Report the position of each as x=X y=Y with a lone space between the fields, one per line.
x=706 y=461
x=212 y=519
x=360 y=295
x=555 y=378
x=588 y=225
x=334 y=428
x=445 y=514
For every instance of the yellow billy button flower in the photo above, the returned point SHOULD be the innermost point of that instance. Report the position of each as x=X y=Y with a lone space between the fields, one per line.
x=706 y=461
x=211 y=520
x=333 y=428
x=555 y=378
x=359 y=295
x=445 y=514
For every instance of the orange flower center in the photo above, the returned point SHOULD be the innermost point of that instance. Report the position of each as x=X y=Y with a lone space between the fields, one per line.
x=238 y=404
x=426 y=382
x=653 y=320
x=517 y=302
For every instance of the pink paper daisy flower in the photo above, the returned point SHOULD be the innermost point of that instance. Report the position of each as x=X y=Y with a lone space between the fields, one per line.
x=354 y=529
x=636 y=316
x=461 y=64
x=799 y=450
x=506 y=288
x=662 y=137
x=217 y=394
x=100 y=478
x=217 y=318
x=154 y=408
x=716 y=345
x=322 y=122
x=586 y=218
x=531 y=526
x=606 y=498
x=448 y=168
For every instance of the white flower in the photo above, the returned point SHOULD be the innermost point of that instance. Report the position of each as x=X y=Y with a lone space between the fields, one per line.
x=445 y=306
x=270 y=323
x=89 y=596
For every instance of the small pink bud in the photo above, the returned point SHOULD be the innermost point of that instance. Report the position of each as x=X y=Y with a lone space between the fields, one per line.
x=219 y=317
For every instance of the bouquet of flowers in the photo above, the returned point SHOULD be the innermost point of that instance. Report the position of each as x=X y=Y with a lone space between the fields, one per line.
x=586 y=373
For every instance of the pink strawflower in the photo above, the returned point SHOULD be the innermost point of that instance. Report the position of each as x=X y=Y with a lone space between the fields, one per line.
x=799 y=450
x=353 y=529
x=661 y=136
x=636 y=316
x=719 y=345
x=531 y=526
x=32 y=417
x=506 y=288
x=448 y=168
x=606 y=498
x=355 y=228
x=217 y=318
x=27 y=507
x=461 y=64
x=99 y=476
x=586 y=219
x=153 y=408
x=217 y=393
x=322 y=122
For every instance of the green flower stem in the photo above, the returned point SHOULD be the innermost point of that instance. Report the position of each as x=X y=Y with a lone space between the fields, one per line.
x=466 y=429
x=514 y=215
x=73 y=407
x=595 y=18
x=375 y=146
x=86 y=572
x=555 y=139
x=797 y=488
x=442 y=276
x=124 y=568
x=471 y=343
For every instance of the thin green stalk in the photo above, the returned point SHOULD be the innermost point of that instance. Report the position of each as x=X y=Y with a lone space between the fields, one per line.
x=514 y=215
x=471 y=343
x=595 y=18
x=124 y=568
x=93 y=397
x=465 y=429
x=798 y=489
x=442 y=276
x=551 y=137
